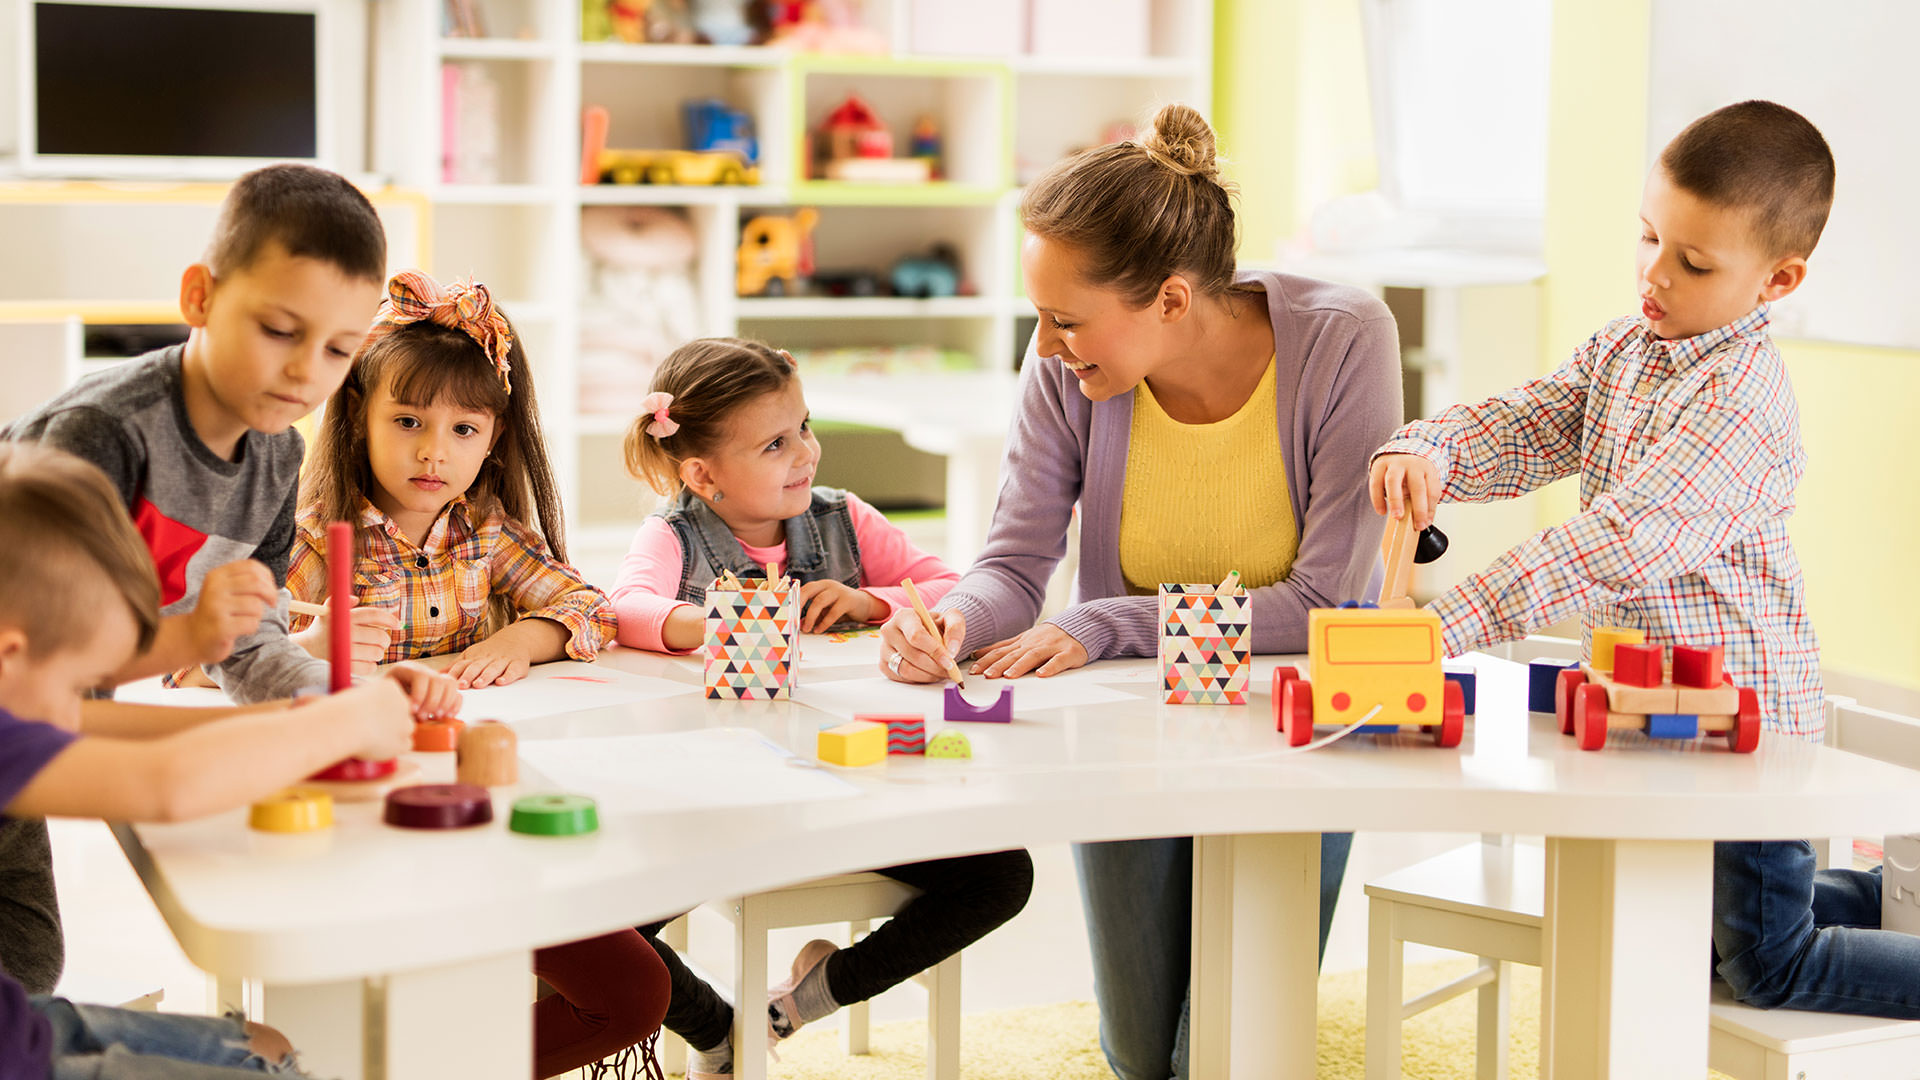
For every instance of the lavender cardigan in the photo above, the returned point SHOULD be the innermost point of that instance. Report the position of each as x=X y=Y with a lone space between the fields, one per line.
x=1338 y=392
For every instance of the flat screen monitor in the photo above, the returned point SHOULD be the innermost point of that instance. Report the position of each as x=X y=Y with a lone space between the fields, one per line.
x=184 y=89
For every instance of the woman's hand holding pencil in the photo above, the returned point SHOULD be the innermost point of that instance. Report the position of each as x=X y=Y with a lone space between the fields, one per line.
x=918 y=646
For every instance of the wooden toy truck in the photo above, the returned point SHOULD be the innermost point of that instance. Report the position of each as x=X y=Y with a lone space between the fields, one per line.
x=1627 y=686
x=1368 y=660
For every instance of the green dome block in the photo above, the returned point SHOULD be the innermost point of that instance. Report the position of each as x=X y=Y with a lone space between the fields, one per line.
x=554 y=815
x=950 y=744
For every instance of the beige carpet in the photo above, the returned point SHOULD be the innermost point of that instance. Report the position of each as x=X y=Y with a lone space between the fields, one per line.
x=1060 y=1042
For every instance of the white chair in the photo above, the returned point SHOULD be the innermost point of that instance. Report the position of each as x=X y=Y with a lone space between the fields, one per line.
x=854 y=899
x=1486 y=899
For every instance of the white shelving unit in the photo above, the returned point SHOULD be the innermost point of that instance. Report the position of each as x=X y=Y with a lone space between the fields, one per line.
x=1001 y=118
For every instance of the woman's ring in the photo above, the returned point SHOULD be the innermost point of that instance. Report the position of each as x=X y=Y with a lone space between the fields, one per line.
x=894 y=664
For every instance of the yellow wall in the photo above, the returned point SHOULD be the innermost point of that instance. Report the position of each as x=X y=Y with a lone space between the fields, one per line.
x=1857 y=529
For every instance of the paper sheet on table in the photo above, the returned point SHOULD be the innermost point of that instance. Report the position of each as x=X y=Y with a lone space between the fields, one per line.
x=850 y=697
x=569 y=686
x=680 y=771
x=860 y=649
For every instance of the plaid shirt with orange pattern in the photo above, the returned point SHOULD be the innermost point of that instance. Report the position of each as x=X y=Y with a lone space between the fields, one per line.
x=1688 y=454
x=440 y=588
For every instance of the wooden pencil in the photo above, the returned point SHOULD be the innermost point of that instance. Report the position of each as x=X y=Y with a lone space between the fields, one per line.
x=926 y=620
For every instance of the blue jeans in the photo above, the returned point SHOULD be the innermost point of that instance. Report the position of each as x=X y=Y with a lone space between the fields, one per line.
x=1139 y=902
x=94 y=1042
x=1788 y=936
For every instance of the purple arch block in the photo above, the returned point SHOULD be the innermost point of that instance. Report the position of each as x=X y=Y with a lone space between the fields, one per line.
x=960 y=710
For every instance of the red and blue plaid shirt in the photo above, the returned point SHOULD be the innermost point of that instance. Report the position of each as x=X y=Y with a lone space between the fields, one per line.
x=440 y=589
x=1688 y=453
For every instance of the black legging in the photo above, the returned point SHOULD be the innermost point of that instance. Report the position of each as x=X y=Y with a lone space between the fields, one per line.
x=961 y=901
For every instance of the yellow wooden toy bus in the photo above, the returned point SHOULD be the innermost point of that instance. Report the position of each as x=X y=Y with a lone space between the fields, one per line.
x=1380 y=665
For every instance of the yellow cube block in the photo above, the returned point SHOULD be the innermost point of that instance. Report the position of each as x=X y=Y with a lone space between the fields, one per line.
x=852 y=744
x=1606 y=637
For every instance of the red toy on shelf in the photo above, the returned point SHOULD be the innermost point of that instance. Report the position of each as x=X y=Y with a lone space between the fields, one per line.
x=1630 y=688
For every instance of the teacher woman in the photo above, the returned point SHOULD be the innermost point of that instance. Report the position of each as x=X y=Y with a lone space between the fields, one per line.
x=1204 y=421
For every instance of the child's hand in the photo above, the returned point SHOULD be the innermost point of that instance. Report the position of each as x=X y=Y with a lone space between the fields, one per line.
x=1402 y=483
x=826 y=602
x=430 y=694
x=373 y=629
x=1044 y=650
x=232 y=600
x=492 y=662
x=381 y=708
x=911 y=655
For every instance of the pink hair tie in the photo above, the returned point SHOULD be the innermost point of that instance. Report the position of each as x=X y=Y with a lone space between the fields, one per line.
x=662 y=425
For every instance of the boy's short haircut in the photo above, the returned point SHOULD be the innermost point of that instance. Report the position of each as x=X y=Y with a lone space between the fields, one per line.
x=1761 y=157
x=62 y=528
x=310 y=212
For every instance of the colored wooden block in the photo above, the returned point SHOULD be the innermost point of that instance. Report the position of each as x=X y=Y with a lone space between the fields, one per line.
x=1673 y=726
x=437 y=736
x=438 y=806
x=1698 y=666
x=1542 y=675
x=380 y=780
x=292 y=811
x=1469 y=685
x=1606 y=637
x=853 y=744
x=1722 y=700
x=960 y=711
x=950 y=744
x=354 y=770
x=1638 y=664
x=1206 y=645
x=554 y=815
x=906 y=732
x=488 y=755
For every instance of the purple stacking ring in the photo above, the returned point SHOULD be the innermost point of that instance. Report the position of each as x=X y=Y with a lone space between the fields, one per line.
x=439 y=806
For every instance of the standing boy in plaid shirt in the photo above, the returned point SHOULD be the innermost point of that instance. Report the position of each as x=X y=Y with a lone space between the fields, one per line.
x=1683 y=428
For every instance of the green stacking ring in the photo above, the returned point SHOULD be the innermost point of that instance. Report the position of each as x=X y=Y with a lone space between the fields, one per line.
x=554 y=815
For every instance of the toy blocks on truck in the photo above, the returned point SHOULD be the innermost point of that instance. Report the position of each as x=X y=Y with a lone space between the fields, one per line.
x=1626 y=685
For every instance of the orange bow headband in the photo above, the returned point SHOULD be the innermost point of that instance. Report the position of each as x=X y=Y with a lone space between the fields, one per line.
x=465 y=306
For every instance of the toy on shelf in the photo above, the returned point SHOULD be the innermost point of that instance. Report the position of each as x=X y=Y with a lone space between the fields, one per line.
x=1206 y=643
x=961 y=711
x=600 y=164
x=853 y=744
x=751 y=630
x=906 y=732
x=1381 y=665
x=640 y=301
x=1628 y=686
x=934 y=274
x=438 y=806
x=830 y=26
x=776 y=251
x=950 y=744
x=841 y=283
x=488 y=755
x=855 y=145
x=714 y=126
x=926 y=141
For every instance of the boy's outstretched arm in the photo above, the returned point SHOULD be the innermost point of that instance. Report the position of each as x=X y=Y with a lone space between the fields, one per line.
x=1713 y=479
x=217 y=766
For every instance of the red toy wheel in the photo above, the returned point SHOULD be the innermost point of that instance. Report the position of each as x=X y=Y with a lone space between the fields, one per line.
x=1564 y=690
x=1281 y=677
x=1453 y=716
x=1296 y=711
x=1590 y=716
x=1744 y=735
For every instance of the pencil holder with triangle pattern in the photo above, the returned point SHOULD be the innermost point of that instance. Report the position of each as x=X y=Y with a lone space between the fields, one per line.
x=1206 y=645
x=750 y=642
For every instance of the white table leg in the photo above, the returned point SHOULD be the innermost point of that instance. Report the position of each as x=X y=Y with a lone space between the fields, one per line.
x=1624 y=958
x=472 y=1019
x=1256 y=897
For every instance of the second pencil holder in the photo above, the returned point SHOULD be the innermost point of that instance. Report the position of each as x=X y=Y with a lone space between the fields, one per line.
x=750 y=637
x=1206 y=645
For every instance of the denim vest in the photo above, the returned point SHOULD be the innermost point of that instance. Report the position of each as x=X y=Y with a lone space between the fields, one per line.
x=820 y=543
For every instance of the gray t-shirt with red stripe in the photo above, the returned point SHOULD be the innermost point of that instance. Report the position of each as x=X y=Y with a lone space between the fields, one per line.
x=195 y=510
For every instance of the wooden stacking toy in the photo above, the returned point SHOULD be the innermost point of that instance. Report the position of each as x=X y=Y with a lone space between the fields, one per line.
x=488 y=755
x=437 y=736
x=295 y=810
x=438 y=806
x=554 y=815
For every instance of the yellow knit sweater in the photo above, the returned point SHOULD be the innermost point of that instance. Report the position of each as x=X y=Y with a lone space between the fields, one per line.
x=1203 y=499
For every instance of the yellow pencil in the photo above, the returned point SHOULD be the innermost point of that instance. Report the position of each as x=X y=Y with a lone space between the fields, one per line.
x=301 y=607
x=926 y=620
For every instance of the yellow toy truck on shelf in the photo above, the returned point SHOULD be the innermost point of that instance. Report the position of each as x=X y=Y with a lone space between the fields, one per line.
x=703 y=168
x=1627 y=685
x=776 y=251
x=1377 y=664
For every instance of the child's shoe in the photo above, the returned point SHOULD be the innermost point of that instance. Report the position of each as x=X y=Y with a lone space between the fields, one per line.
x=714 y=1064
x=803 y=997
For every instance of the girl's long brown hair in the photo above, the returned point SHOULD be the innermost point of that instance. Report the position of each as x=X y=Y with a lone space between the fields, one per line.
x=421 y=363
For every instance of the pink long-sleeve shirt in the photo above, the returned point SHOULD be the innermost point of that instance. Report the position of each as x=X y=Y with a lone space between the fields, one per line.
x=648 y=587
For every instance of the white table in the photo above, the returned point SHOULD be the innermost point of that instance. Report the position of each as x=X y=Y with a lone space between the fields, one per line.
x=440 y=925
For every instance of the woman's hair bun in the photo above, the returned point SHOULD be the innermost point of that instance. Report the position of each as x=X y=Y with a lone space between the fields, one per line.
x=1182 y=141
